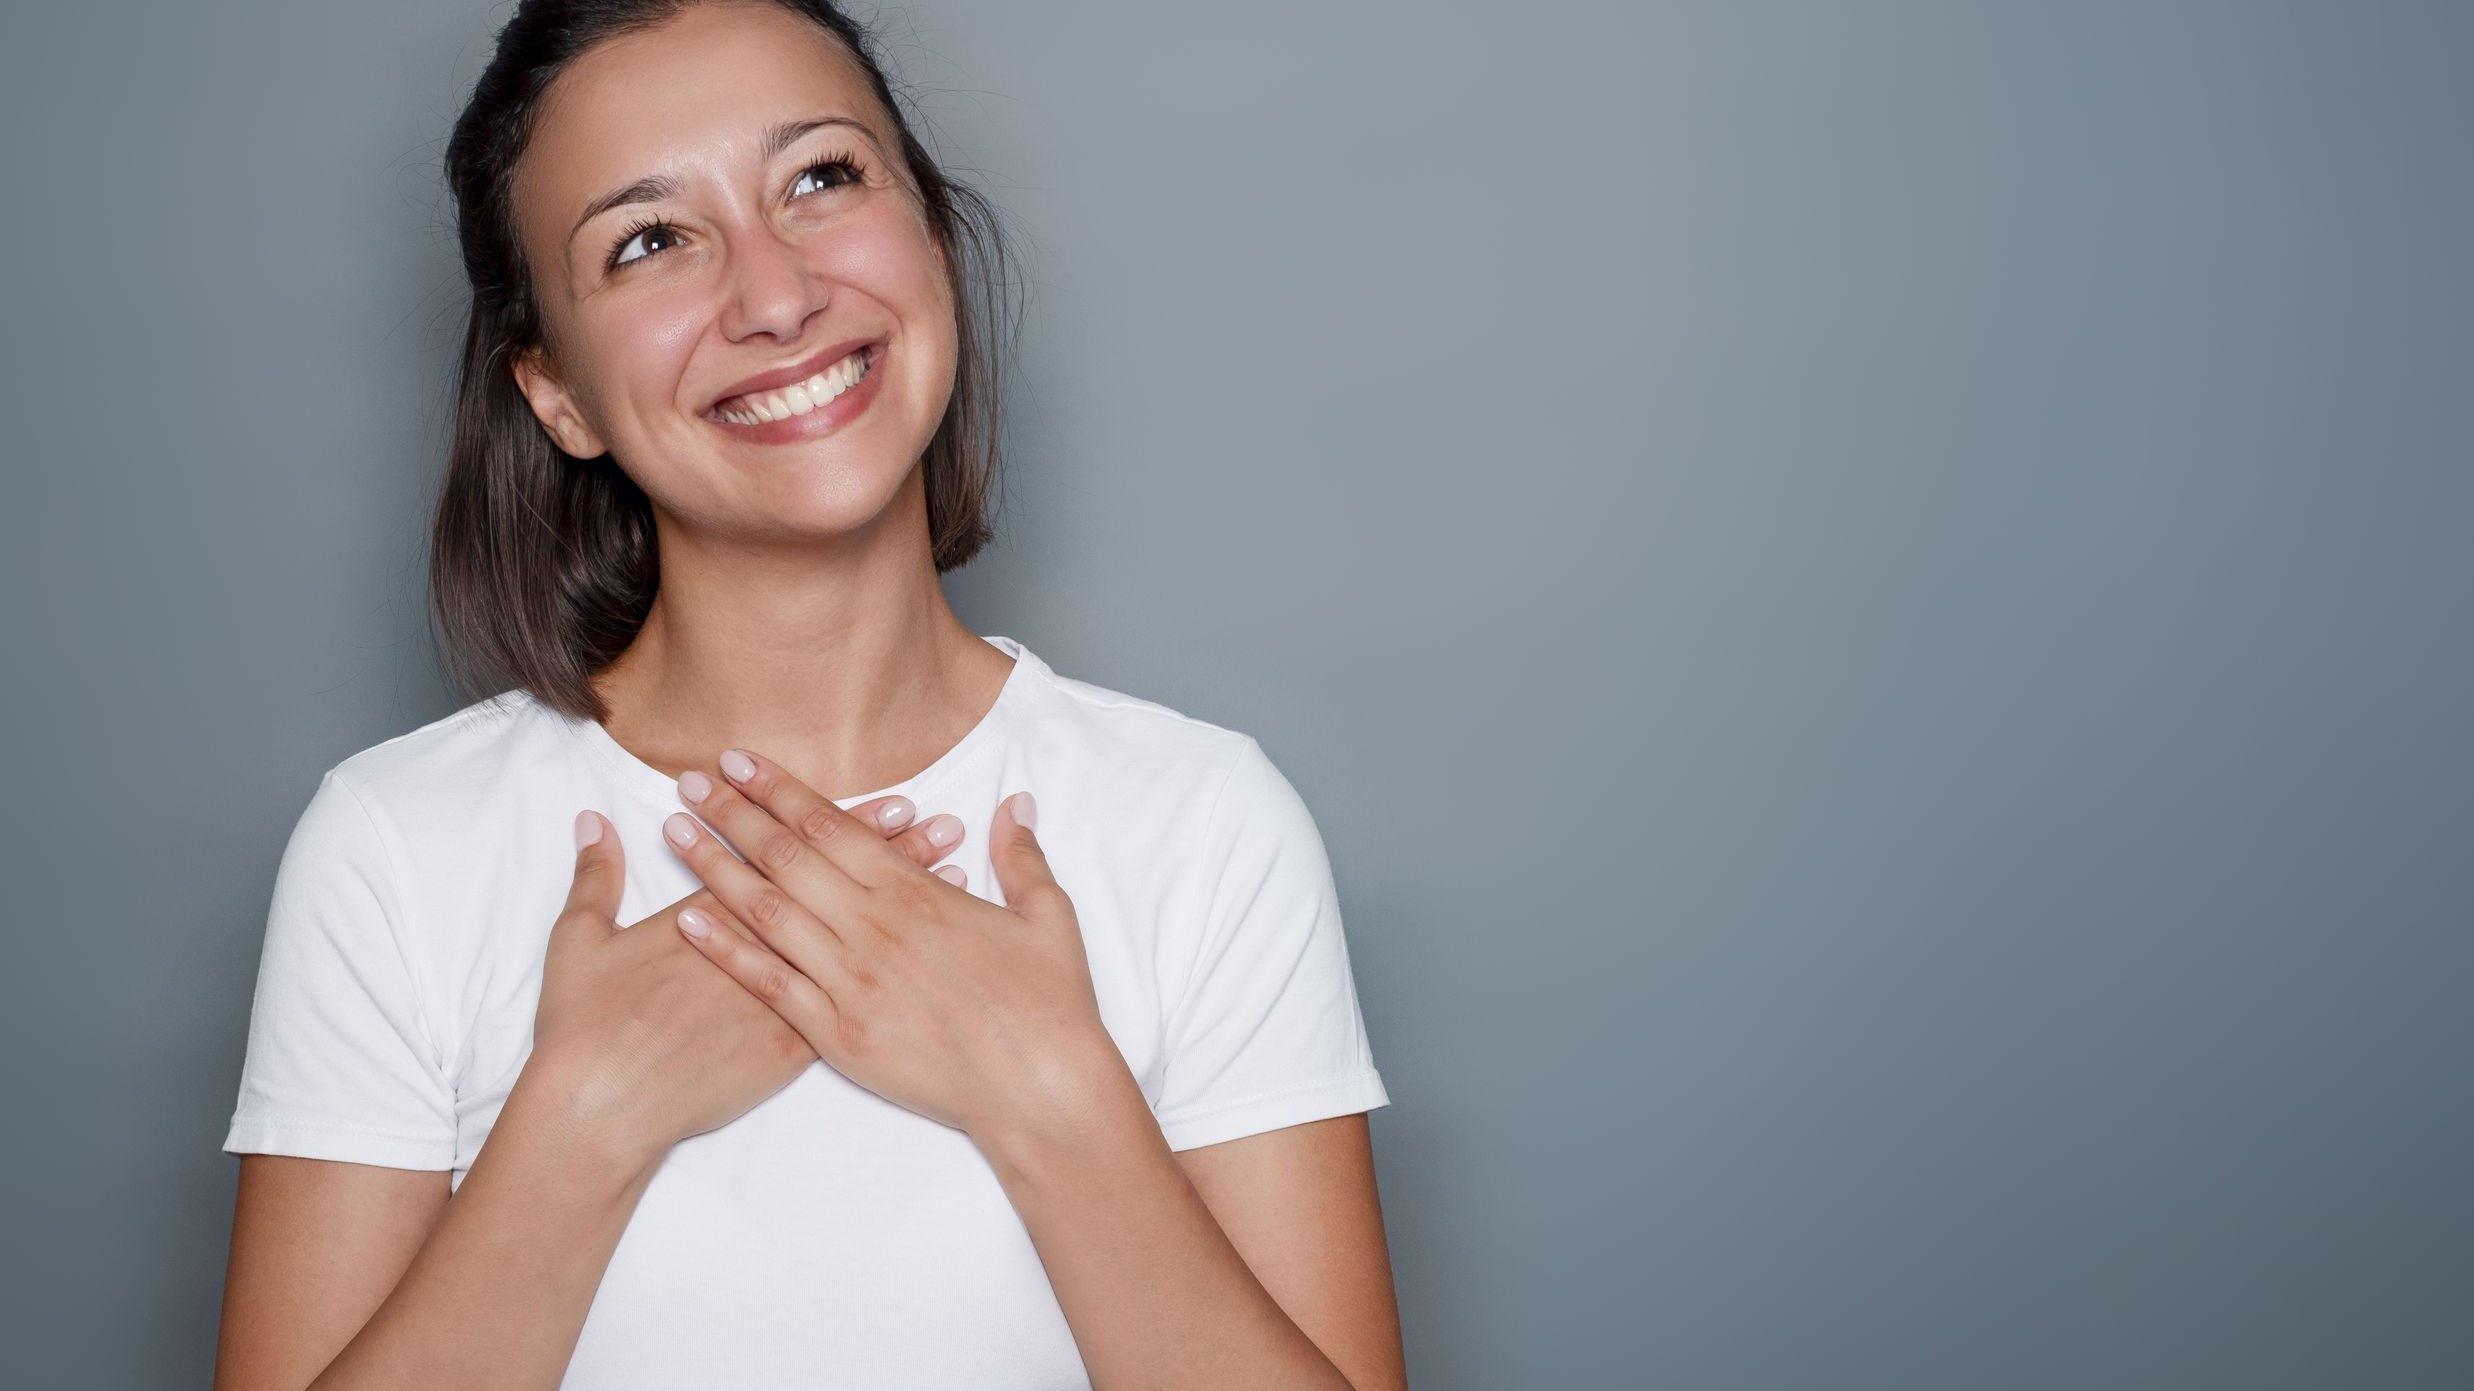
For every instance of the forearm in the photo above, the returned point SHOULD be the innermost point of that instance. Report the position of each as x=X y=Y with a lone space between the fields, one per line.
x=1150 y=1285
x=496 y=1297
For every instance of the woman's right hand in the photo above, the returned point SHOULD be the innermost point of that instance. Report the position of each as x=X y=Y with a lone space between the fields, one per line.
x=638 y=1035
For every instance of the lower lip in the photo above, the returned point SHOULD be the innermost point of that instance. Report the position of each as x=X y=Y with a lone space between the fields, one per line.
x=824 y=420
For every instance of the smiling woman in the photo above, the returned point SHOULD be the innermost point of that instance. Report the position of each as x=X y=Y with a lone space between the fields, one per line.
x=902 y=1011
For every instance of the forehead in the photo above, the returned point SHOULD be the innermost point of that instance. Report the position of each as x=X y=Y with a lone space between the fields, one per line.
x=691 y=96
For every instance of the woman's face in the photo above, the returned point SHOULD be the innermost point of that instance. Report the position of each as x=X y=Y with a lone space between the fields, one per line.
x=728 y=260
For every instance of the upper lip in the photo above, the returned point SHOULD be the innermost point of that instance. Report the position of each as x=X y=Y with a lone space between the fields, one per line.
x=799 y=371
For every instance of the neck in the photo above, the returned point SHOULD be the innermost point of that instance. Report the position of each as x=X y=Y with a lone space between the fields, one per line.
x=841 y=661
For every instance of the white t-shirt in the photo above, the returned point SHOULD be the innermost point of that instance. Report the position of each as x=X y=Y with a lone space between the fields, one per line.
x=828 y=1237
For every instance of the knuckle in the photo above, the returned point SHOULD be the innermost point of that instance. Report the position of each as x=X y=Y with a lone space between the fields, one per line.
x=822 y=823
x=768 y=908
x=789 y=1047
x=888 y=940
x=910 y=894
x=851 y=1032
x=769 y=981
x=864 y=982
x=780 y=850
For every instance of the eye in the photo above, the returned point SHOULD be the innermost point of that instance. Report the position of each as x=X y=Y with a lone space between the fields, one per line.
x=842 y=168
x=839 y=165
x=647 y=232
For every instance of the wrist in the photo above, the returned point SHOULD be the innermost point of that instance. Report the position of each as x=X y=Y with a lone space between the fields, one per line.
x=564 y=1109
x=1084 y=1098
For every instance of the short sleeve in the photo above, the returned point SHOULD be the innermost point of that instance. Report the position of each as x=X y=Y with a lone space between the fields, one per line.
x=1267 y=1031
x=340 y=1062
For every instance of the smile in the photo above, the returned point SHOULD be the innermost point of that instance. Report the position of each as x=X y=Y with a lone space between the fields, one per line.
x=797 y=399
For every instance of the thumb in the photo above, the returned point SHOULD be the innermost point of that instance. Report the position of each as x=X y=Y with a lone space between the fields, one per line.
x=600 y=878
x=1021 y=866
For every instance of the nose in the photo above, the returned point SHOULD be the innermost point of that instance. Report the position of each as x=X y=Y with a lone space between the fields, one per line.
x=771 y=289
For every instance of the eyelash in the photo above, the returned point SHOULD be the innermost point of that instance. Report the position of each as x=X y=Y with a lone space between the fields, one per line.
x=845 y=163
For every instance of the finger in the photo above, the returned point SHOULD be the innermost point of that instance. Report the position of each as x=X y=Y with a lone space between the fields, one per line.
x=600 y=878
x=786 y=856
x=925 y=842
x=705 y=900
x=803 y=1004
x=1021 y=866
x=931 y=840
x=895 y=813
x=769 y=909
x=808 y=814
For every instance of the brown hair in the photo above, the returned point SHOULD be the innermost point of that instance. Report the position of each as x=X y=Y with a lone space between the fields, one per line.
x=543 y=565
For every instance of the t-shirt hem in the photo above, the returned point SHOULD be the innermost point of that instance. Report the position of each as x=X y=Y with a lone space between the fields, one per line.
x=352 y=1144
x=1318 y=1100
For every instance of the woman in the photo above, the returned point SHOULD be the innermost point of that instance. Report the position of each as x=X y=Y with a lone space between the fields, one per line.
x=820 y=1116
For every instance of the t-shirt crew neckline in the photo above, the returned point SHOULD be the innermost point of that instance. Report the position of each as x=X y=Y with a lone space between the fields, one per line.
x=660 y=787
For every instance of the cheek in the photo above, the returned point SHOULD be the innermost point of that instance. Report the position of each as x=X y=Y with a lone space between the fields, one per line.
x=887 y=256
x=645 y=343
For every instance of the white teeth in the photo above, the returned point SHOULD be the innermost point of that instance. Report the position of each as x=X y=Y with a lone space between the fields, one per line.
x=800 y=397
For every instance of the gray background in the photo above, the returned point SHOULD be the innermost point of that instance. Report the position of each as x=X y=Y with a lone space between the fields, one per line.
x=1870 y=600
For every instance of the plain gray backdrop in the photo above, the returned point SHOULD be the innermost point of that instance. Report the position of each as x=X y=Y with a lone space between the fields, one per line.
x=1871 y=600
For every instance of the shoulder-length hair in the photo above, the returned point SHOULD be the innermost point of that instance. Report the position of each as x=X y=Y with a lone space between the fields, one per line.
x=542 y=565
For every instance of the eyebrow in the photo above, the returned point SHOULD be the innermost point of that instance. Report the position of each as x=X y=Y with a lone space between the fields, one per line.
x=655 y=187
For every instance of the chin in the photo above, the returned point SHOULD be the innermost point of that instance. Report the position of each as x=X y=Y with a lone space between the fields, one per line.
x=831 y=496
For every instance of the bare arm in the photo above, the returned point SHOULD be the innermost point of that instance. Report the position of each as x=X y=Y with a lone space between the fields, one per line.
x=1157 y=1292
x=316 y=1245
x=1300 y=1204
x=347 y=1277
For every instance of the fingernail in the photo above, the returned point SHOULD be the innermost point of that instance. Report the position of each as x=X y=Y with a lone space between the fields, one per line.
x=693 y=924
x=588 y=829
x=897 y=813
x=1026 y=811
x=739 y=766
x=943 y=829
x=951 y=874
x=694 y=786
x=681 y=828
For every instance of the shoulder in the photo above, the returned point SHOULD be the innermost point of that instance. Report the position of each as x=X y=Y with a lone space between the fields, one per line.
x=457 y=762
x=1214 y=783
x=1139 y=743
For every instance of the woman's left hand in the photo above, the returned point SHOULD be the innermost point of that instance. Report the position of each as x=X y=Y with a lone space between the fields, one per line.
x=974 y=1014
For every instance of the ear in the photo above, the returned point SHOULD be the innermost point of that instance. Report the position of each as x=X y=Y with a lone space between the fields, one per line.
x=553 y=407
